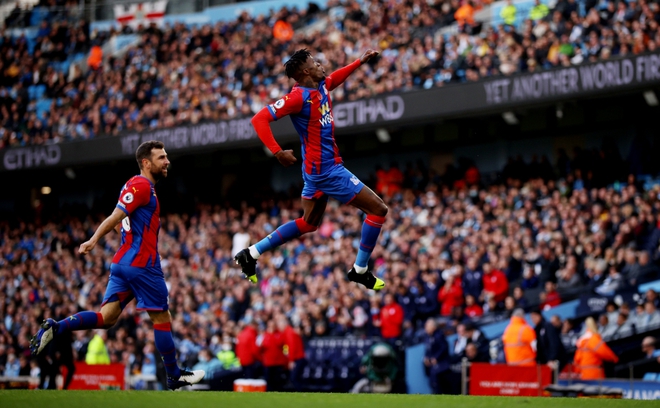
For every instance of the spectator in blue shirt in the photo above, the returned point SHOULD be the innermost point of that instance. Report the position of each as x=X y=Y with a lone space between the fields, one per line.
x=436 y=357
x=472 y=278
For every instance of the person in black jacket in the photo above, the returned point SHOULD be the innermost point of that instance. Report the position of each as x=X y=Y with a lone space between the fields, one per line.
x=549 y=347
x=436 y=357
x=64 y=357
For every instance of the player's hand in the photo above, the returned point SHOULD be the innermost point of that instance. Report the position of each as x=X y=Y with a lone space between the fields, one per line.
x=286 y=157
x=368 y=54
x=86 y=247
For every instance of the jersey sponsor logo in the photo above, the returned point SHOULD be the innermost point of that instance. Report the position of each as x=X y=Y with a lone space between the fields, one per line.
x=325 y=90
x=355 y=180
x=326 y=113
x=325 y=108
x=128 y=198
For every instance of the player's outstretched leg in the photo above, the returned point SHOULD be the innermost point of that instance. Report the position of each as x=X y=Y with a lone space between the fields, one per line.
x=176 y=377
x=376 y=211
x=50 y=328
x=247 y=258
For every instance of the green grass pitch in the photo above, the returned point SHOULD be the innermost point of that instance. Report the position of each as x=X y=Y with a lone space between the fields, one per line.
x=164 y=399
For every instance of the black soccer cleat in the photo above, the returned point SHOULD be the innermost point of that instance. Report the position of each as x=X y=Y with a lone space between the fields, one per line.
x=367 y=279
x=185 y=378
x=248 y=264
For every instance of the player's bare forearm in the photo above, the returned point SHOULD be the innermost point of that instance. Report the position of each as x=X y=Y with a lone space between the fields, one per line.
x=106 y=226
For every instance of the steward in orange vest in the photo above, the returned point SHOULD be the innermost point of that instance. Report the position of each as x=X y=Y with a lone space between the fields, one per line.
x=590 y=353
x=519 y=340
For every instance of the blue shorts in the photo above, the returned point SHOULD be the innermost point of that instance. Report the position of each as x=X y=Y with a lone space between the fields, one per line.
x=338 y=183
x=147 y=285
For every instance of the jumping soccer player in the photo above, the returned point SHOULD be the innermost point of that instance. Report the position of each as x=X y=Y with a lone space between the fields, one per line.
x=135 y=271
x=310 y=109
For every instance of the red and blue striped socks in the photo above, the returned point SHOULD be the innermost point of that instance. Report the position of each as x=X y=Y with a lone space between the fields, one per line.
x=370 y=232
x=165 y=346
x=81 y=321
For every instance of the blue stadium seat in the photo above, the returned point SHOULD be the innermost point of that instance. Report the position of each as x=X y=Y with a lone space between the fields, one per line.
x=36 y=91
x=43 y=106
x=31 y=43
x=650 y=377
x=39 y=14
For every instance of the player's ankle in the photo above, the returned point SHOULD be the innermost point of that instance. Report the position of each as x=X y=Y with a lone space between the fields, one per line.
x=254 y=253
x=360 y=269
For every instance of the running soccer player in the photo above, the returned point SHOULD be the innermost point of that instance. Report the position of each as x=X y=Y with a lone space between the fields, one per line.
x=135 y=270
x=310 y=108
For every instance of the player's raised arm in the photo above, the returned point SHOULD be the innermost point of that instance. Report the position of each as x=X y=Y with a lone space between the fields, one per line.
x=106 y=226
x=289 y=104
x=339 y=76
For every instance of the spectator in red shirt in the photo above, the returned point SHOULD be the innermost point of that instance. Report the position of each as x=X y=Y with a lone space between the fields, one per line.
x=496 y=284
x=472 y=308
x=247 y=351
x=294 y=350
x=391 y=319
x=450 y=295
x=550 y=298
x=394 y=180
x=274 y=360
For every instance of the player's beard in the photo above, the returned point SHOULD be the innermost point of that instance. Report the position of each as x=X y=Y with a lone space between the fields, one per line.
x=160 y=174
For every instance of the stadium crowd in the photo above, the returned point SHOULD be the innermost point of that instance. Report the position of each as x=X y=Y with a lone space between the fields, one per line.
x=453 y=249
x=178 y=75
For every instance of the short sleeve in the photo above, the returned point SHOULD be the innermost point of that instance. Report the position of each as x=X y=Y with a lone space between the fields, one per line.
x=134 y=195
x=289 y=104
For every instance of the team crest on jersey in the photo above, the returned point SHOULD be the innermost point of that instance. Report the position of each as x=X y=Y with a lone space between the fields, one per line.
x=127 y=198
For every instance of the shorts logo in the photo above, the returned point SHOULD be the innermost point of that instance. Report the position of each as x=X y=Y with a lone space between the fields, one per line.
x=279 y=104
x=355 y=180
x=127 y=198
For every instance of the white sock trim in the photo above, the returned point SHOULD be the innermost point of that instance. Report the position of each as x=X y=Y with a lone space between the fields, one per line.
x=359 y=269
x=254 y=252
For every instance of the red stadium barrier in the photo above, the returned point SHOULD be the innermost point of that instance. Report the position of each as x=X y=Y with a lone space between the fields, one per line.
x=501 y=379
x=97 y=377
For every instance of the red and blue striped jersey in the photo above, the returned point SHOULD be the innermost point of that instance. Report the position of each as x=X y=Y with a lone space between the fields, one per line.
x=311 y=113
x=139 y=230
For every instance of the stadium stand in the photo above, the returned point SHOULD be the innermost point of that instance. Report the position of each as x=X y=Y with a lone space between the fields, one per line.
x=238 y=65
x=534 y=226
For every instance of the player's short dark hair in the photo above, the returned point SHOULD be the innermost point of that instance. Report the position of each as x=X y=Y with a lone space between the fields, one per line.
x=292 y=66
x=144 y=150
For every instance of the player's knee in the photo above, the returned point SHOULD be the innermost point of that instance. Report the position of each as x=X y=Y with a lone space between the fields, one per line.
x=109 y=321
x=381 y=210
x=304 y=226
